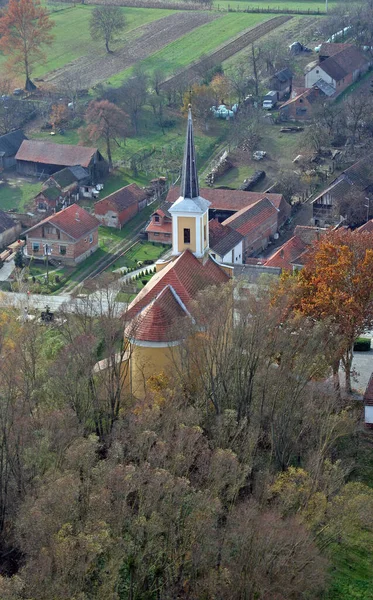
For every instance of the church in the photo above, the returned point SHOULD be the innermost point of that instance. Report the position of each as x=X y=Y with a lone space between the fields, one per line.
x=152 y=332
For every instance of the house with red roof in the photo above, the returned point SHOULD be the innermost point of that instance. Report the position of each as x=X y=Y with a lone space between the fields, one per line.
x=39 y=158
x=159 y=229
x=291 y=256
x=68 y=236
x=338 y=67
x=121 y=206
x=257 y=224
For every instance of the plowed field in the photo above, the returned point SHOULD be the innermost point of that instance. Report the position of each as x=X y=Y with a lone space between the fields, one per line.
x=141 y=43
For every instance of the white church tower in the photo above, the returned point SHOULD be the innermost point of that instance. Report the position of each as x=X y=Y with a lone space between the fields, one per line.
x=190 y=212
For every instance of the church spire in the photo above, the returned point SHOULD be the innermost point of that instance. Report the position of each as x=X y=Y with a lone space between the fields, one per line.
x=189 y=184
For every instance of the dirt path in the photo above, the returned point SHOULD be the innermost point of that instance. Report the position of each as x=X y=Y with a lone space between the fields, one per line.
x=142 y=42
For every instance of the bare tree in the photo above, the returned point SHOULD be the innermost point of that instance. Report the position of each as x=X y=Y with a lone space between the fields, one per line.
x=106 y=21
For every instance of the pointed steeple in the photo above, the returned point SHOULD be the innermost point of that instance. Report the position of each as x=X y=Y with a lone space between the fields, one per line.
x=189 y=184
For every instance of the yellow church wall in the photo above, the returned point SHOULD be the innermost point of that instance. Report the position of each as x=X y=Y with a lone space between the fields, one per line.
x=147 y=362
x=186 y=223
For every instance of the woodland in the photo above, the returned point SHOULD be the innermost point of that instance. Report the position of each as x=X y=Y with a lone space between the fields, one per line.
x=238 y=476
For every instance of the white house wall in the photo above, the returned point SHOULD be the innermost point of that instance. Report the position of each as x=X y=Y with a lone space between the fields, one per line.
x=317 y=73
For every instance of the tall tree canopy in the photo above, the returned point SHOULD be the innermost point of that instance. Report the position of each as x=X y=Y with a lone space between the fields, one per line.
x=25 y=28
x=336 y=284
x=106 y=122
x=106 y=21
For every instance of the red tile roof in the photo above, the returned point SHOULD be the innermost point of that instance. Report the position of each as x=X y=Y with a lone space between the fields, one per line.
x=329 y=48
x=289 y=252
x=228 y=199
x=123 y=198
x=186 y=274
x=157 y=321
x=366 y=227
x=159 y=228
x=55 y=154
x=250 y=218
x=73 y=220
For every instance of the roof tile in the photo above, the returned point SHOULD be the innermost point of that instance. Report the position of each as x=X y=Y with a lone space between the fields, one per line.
x=73 y=220
x=55 y=154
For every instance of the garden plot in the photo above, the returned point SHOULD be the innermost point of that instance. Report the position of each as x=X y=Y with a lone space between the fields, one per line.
x=145 y=40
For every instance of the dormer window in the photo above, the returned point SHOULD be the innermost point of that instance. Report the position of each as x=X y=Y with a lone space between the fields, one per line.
x=156 y=218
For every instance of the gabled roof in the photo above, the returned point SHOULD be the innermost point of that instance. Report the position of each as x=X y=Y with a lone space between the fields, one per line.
x=125 y=197
x=73 y=220
x=367 y=227
x=156 y=322
x=250 y=218
x=329 y=48
x=344 y=62
x=6 y=222
x=186 y=274
x=10 y=142
x=222 y=238
x=163 y=210
x=55 y=154
x=333 y=69
x=69 y=176
x=312 y=95
x=359 y=174
x=283 y=75
x=51 y=193
x=233 y=200
x=288 y=254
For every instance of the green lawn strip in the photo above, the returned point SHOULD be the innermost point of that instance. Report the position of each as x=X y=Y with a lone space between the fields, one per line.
x=352 y=570
x=18 y=194
x=193 y=45
x=304 y=5
x=139 y=253
x=72 y=38
x=235 y=176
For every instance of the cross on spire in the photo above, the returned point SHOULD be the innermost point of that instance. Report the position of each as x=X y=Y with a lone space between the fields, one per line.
x=189 y=183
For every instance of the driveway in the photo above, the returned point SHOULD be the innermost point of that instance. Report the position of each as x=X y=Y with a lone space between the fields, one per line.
x=6 y=270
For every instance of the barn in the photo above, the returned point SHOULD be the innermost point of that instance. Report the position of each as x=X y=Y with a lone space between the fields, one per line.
x=40 y=158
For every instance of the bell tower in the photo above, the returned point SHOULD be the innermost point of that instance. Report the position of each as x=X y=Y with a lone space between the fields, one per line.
x=190 y=211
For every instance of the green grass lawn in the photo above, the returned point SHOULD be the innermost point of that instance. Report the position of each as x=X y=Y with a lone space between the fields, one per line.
x=72 y=37
x=235 y=176
x=16 y=193
x=193 y=45
x=140 y=252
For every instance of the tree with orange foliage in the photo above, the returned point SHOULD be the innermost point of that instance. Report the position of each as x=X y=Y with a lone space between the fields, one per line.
x=221 y=87
x=59 y=114
x=24 y=28
x=202 y=98
x=105 y=122
x=336 y=285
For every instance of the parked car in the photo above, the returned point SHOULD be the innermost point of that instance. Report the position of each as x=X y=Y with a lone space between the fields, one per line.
x=18 y=92
x=270 y=100
x=259 y=154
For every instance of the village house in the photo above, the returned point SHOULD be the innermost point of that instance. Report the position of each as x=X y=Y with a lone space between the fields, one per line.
x=282 y=82
x=159 y=229
x=339 y=69
x=302 y=106
x=153 y=334
x=292 y=255
x=354 y=181
x=257 y=224
x=68 y=236
x=39 y=158
x=9 y=229
x=121 y=206
x=9 y=146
